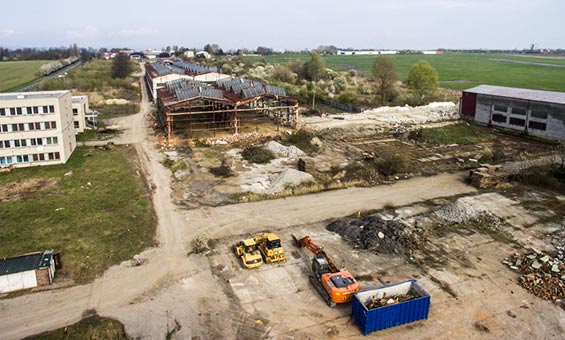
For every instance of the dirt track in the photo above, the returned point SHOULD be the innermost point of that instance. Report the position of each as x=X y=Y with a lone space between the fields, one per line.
x=137 y=295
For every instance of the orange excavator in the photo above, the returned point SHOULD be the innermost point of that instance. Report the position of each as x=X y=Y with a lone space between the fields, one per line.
x=333 y=284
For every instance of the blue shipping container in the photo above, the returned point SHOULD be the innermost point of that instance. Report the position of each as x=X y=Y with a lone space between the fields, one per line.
x=371 y=320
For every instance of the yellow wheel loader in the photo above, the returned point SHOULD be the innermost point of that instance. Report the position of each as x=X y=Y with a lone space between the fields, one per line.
x=270 y=246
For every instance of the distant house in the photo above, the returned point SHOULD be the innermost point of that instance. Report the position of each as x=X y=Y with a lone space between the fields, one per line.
x=27 y=271
x=136 y=56
x=189 y=54
x=539 y=113
x=203 y=55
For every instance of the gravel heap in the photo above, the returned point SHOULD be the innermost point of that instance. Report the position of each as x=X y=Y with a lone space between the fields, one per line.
x=378 y=235
x=461 y=211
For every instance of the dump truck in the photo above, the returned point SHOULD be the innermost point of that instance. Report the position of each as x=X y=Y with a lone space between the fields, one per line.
x=270 y=247
x=333 y=284
x=247 y=251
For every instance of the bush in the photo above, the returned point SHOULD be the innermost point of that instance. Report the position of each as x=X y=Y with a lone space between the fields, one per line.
x=348 y=98
x=302 y=139
x=257 y=154
x=390 y=164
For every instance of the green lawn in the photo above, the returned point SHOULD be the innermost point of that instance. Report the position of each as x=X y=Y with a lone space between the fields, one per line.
x=460 y=70
x=93 y=225
x=462 y=133
x=17 y=73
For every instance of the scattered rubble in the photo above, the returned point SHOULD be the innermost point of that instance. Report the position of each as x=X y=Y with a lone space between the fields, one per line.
x=461 y=211
x=542 y=275
x=488 y=176
x=378 y=235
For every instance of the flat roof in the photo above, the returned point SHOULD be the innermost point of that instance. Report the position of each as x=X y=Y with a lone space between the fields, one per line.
x=32 y=95
x=79 y=99
x=24 y=263
x=526 y=94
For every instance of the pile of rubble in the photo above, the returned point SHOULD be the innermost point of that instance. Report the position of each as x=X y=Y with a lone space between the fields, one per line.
x=488 y=176
x=379 y=235
x=248 y=137
x=284 y=151
x=542 y=275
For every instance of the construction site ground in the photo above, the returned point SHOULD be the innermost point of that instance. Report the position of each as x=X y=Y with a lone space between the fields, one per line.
x=172 y=292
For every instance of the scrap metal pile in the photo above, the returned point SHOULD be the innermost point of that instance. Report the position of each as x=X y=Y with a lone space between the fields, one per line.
x=375 y=302
x=542 y=275
x=379 y=235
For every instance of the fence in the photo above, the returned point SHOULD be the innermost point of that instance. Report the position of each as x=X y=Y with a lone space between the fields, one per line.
x=355 y=109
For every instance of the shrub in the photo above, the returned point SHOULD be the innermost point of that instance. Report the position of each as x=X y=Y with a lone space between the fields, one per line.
x=302 y=139
x=390 y=164
x=257 y=154
x=348 y=98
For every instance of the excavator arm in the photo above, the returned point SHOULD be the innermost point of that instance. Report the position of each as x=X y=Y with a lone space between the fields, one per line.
x=306 y=242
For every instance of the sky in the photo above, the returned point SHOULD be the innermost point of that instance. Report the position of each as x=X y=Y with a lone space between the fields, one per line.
x=285 y=25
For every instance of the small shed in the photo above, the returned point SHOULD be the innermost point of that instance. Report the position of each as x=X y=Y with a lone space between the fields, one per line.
x=27 y=271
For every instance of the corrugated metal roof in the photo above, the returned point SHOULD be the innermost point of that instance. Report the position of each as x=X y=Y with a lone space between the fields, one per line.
x=20 y=264
x=526 y=94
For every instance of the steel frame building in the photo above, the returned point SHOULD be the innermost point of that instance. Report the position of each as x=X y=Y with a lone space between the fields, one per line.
x=225 y=105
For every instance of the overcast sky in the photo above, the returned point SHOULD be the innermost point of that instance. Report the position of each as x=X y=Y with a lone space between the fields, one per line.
x=285 y=24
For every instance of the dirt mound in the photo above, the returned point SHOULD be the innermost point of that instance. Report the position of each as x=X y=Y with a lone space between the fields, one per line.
x=461 y=211
x=21 y=190
x=289 y=178
x=378 y=235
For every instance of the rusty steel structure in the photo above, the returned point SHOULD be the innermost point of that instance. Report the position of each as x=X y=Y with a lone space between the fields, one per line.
x=224 y=105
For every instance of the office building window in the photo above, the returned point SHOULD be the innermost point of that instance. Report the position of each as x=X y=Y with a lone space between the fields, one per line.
x=539 y=114
x=19 y=111
x=45 y=109
x=537 y=125
x=36 y=110
x=75 y=111
x=499 y=118
x=77 y=125
x=12 y=111
x=5 y=128
x=2 y=111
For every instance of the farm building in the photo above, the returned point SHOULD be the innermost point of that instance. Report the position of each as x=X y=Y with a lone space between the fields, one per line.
x=539 y=113
x=229 y=104
x=159 y=73
x=27 y=271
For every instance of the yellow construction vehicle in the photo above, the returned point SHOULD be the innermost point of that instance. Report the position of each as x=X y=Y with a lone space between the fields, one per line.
x=247 y=251
x=270 y=246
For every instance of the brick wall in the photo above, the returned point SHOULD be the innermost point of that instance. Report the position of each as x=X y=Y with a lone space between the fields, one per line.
x=42 y=276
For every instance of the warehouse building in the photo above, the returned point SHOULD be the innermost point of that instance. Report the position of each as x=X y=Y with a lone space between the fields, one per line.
x=539 y=113
x=159 y=73
x=36 y=128
x=27 y=271
x=230 y=104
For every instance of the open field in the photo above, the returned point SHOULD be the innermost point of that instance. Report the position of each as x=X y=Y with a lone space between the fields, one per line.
x=94 y=210
x=14 y=74
x=461 y=71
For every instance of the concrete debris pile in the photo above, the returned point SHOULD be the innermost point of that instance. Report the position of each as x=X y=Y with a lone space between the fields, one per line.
x=379 y=235
x=289 y=178
x=248 y=137
x=463 y=210
x=542 y=275
x=284 y=151
x=375 y=302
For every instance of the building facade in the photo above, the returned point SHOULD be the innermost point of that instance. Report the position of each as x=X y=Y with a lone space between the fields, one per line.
x=36 y=128
x=539 y=113
x=80 y=109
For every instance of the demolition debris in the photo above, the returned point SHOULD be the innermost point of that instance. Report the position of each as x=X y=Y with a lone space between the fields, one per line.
x=542 y=275
x=379 y=235
x=375 y=302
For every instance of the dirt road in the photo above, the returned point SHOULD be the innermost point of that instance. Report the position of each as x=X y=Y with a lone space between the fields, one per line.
x=145 y=298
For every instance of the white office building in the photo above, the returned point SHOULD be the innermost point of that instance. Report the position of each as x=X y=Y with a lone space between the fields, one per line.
x=36 y=128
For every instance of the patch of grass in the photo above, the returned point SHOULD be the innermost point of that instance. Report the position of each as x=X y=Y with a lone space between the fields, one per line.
x=551 y=177
x=462 y=133
x=91 y=328
x=257 y=154
x=302 y=139
x=389 y=205
x=86 y=136
x=93 y=225
x=15 y=74
x=116 y=110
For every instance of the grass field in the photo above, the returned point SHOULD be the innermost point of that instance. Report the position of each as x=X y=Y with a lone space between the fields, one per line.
x=15 y=74
x=462 y=133
x=99 y=215
x=92 y=328
x=460 y=70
